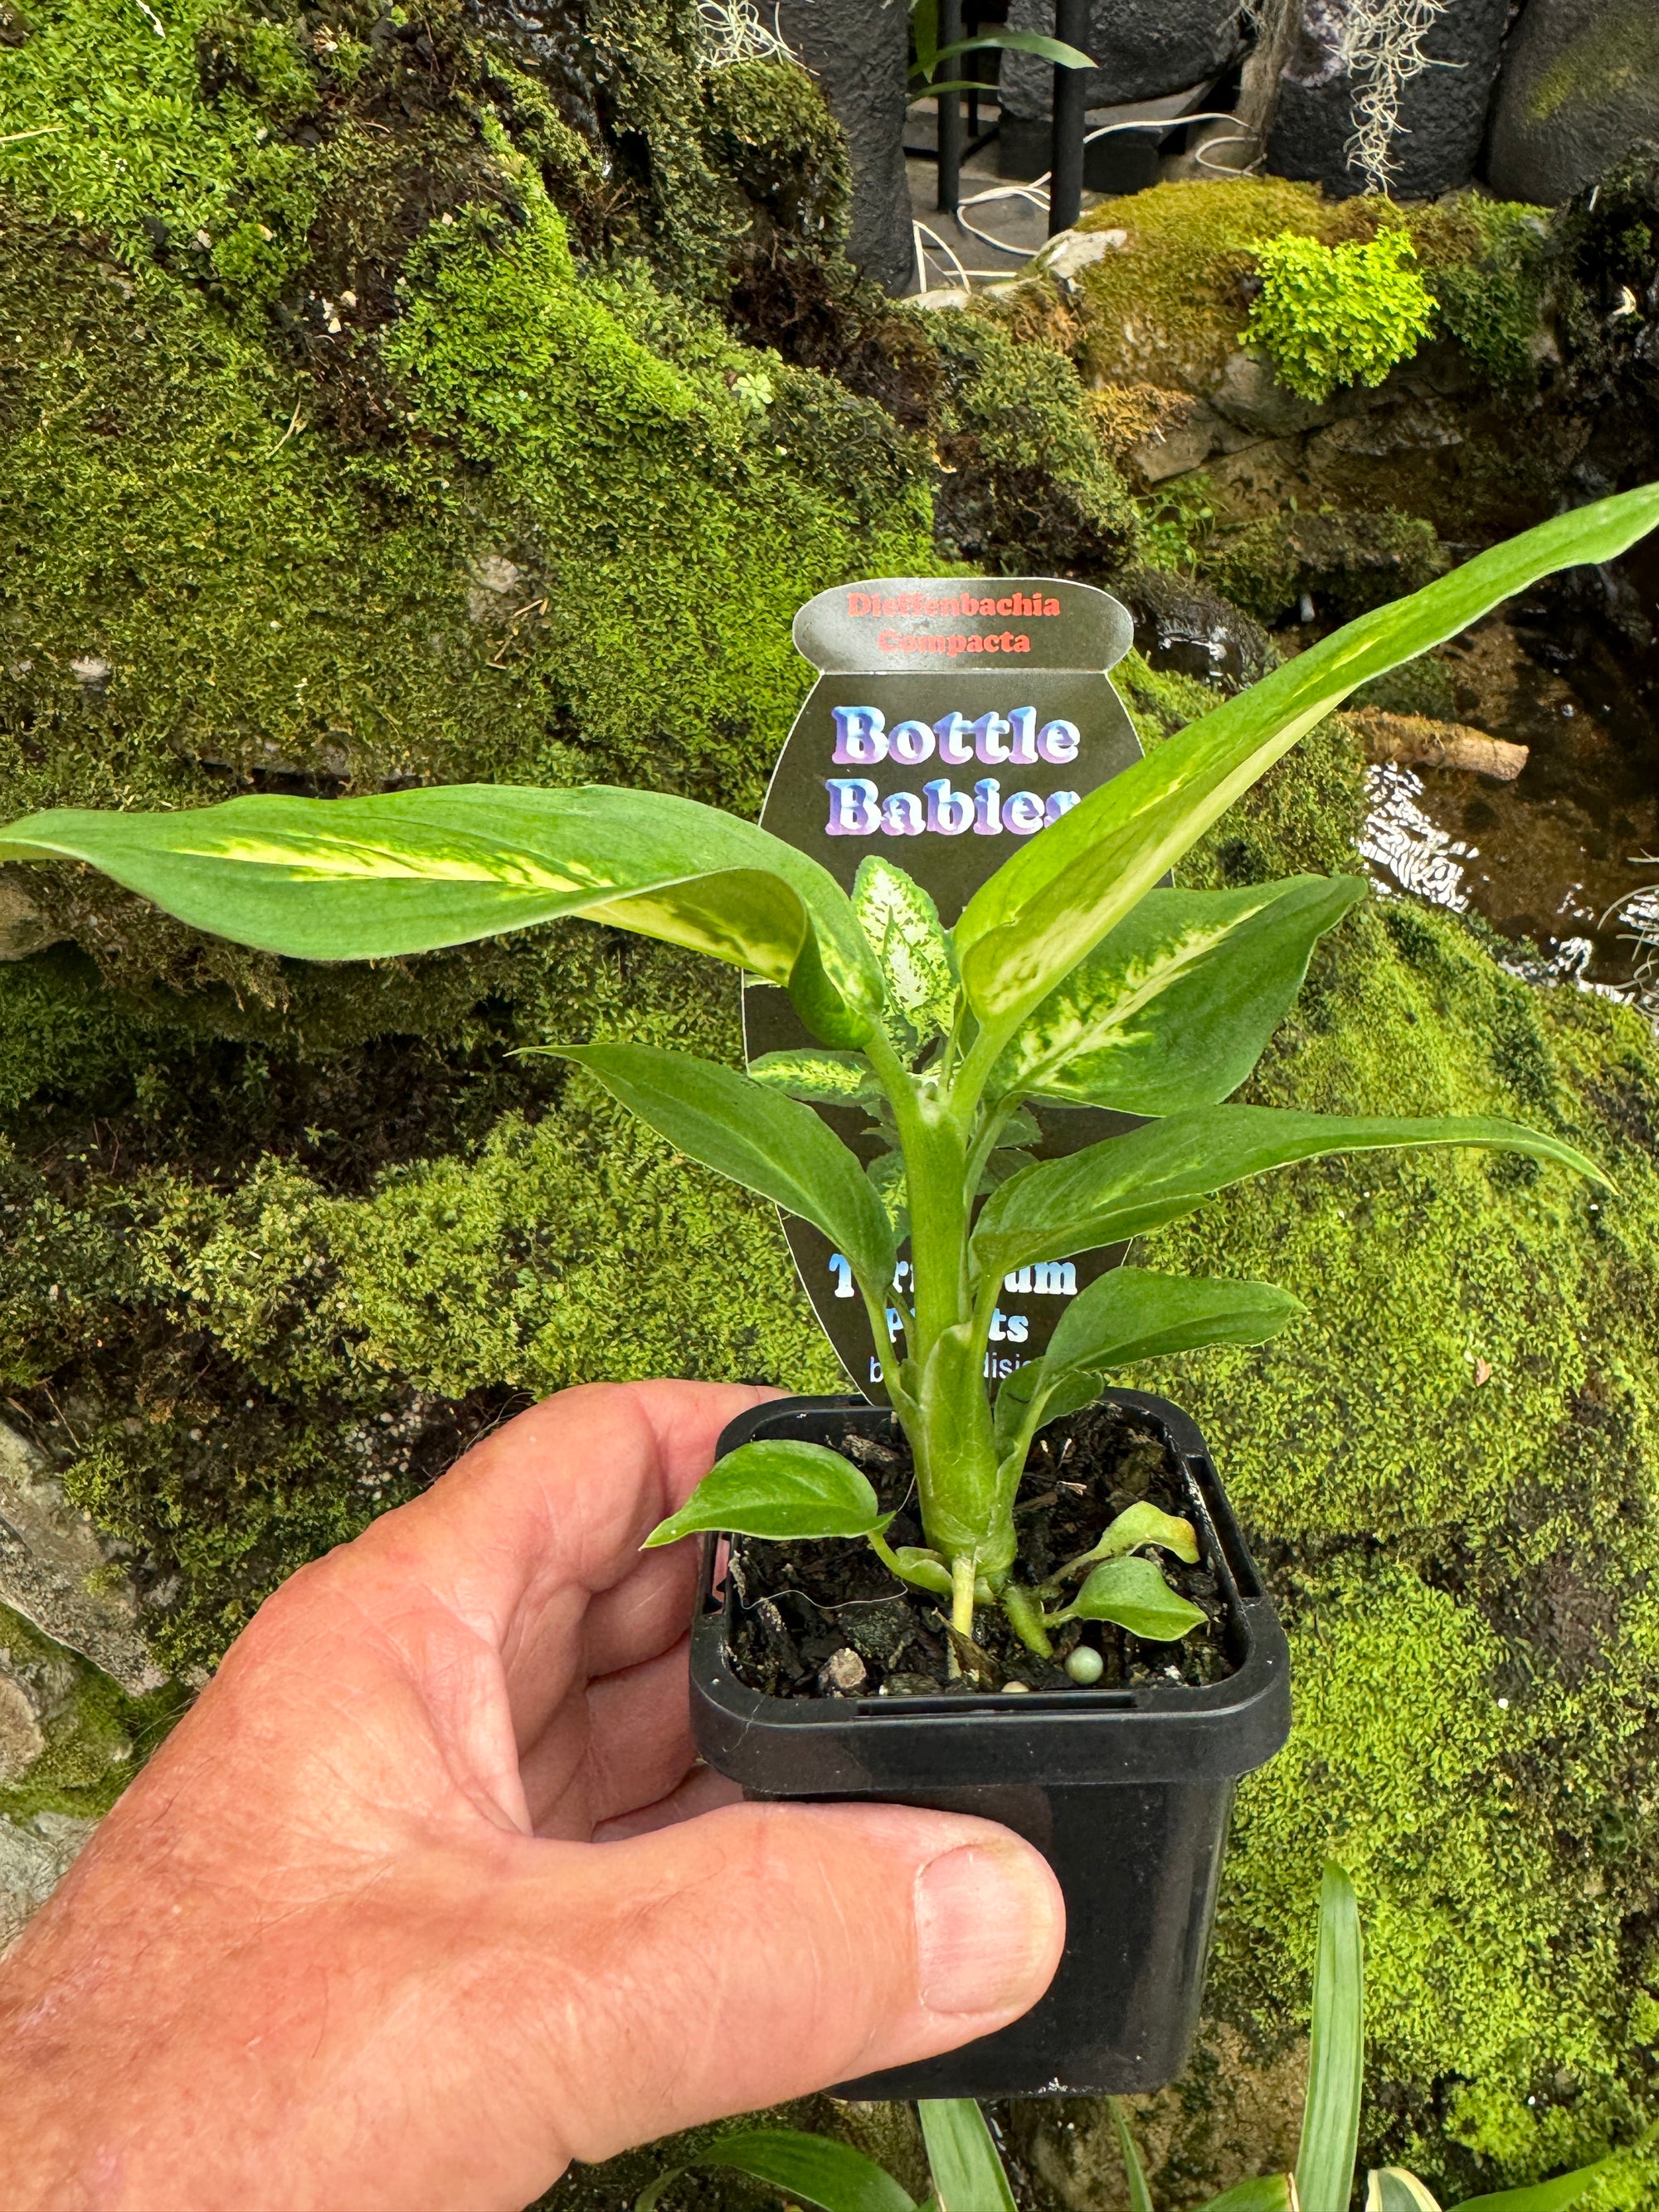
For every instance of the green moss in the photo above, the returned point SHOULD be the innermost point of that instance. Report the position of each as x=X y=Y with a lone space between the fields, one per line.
x=1347 y=562
x=1331 y=315
x=1613 y=56
x=1449 y=1466
x=1026 y=482
x=96 y=1735
x=1171 y=306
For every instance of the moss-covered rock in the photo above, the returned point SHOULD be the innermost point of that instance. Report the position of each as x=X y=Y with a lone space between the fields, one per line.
x=1169 y=305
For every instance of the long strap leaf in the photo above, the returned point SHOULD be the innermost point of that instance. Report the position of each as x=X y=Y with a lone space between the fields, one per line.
x=1140 y=2195
x=1058 y=895
x=813 y=2169
x=968 y=2171
x=1336 y=2054
x=1555 y=2195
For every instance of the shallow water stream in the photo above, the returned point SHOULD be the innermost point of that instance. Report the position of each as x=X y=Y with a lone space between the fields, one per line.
x=1565 y=859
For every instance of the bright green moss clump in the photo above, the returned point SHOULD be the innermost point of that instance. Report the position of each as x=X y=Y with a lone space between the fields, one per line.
x=1330 y=315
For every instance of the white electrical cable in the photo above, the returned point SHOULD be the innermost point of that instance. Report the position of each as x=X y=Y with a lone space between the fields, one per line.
x=941 y=246
x=1033 y=191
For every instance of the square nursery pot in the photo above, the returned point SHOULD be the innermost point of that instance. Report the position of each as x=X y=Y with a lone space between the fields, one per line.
x=1127 y=1793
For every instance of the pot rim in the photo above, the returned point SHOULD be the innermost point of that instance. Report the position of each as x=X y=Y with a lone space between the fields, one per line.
x=1154 y=1731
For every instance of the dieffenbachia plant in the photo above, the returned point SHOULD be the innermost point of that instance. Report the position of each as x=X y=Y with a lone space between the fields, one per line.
x=1069 y=975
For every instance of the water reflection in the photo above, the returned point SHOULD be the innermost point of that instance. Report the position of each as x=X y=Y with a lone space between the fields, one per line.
x=1562 y=860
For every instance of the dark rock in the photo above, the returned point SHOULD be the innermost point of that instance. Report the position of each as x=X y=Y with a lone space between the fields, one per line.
x=1605 y=245
x=859 y=51
x=1580 y=88
x=1442 y=112
x=1144 y=51
x=1180 y=624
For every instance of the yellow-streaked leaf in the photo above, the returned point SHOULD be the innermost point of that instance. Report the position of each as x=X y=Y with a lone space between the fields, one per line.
x=408 y=870
x=1055 y=898
x=1173 y=1008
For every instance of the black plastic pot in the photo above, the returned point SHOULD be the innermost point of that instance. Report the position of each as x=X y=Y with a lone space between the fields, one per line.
x=1126 y=1792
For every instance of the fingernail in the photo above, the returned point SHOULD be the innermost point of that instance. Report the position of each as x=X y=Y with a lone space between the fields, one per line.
x=985 y=1930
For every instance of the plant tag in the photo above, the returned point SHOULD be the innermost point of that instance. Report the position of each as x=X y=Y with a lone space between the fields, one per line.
x=951 y=720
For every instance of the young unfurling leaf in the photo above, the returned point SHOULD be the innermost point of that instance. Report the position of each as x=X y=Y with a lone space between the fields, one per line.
x=911 y=948
x=778 y=1489
x=1143 y=1524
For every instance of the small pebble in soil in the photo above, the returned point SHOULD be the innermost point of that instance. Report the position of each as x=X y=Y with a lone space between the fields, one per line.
x=1085 y=1665
x=843 y=1674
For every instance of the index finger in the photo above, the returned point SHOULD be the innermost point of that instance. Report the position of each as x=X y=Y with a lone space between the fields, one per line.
x=558 y=1501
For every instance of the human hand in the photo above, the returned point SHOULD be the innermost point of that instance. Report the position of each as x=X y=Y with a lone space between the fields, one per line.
x=425 y=1897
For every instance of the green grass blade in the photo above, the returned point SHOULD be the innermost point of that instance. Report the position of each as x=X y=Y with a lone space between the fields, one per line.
x=1021 y=42
x=1140 y=2196
x=1054 y=899
x=968 y=2170
x=1336 y=2054
x=811 y=2169
x=1554 y=2195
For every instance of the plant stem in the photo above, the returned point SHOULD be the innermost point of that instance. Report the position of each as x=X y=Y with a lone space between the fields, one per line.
x=963 y=1579
x=1027 y=1620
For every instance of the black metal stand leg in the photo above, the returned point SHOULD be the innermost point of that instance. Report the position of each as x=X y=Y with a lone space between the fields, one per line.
x=1065 y=161
x=950 y=112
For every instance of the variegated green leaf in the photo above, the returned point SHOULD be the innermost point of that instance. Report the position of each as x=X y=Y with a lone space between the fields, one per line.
x=819 y=1078
x=1053 y=900
x=886 y=1172
x=1391 y=2189
x=368 y=878
x=1174 y=1007
x=902 y=922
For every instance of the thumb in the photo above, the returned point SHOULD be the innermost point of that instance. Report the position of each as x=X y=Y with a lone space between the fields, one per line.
x=761 y=1952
